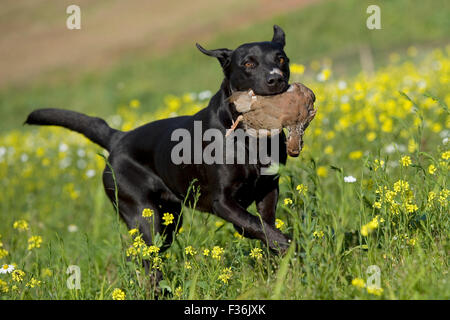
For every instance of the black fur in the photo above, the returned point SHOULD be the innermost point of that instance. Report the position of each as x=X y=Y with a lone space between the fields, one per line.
x=95 y=129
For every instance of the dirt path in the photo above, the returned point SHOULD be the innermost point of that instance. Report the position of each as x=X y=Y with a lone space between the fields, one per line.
x=34 y=38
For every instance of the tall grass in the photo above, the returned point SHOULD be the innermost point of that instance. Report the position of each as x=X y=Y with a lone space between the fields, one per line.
x=389 y=132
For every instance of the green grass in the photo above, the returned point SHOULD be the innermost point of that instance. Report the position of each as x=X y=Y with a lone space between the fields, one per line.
x=327 y=29
x=50 y=189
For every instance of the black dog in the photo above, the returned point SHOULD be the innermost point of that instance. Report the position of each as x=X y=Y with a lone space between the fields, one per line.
x=147 y=178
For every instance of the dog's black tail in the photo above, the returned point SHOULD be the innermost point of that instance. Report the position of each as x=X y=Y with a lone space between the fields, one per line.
x=95 y=129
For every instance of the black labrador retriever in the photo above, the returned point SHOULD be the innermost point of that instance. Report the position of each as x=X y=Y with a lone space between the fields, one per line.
x=147 y=177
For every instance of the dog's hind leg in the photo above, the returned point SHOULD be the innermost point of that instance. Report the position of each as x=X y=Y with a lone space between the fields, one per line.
x=133 y=196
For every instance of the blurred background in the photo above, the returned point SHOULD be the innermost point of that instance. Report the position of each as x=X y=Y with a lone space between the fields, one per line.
x=145 y=50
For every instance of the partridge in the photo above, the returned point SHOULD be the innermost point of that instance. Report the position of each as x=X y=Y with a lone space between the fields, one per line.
x=292 y=109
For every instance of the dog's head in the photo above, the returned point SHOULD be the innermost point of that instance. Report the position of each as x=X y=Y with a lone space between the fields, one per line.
x=260 y=66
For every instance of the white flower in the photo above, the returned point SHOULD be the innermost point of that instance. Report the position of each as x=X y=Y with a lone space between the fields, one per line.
x=63 y=147
x=81 y=153
x=204 y=95
x=116 y=120
x=24 y=157
x=345 y=98
x=65 y=163
x=7 y=268
x=90 y=173
x=349 y=179
x=72 y=228
x=342 y=85
x=393 y=147
x=320 y=77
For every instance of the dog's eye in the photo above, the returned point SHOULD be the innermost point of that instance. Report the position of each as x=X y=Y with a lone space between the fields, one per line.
x=281 y=60
x=249 y=64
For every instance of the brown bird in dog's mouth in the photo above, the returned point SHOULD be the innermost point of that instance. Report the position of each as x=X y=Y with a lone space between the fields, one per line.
x=292 y=109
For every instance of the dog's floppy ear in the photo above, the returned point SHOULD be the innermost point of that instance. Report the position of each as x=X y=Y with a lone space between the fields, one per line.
x=278 y=36
x=223 y=55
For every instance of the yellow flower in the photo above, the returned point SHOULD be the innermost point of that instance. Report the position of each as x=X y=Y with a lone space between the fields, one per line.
x=330 y=135
x=364 y=231
x=206 y=252
x=139 y=242
x=3 y=253
x=189 y=250
x=401 y=186
x=371 y=136
x=375 y=291
x=412 y=145
x=279 y=224
x=34 y=242
x=118 y=294
x=387 y=125
x=359 y=283
x=322 y=171
x=21 y=225
x=287 y=201
x=46 y=272
x=226 y=275
x=238 y=235
x=431 y=196
x=378 y=164
x=443 y=195
x=405 y=161
x=33 y=283
x=446 y=155
x=412 y=241
x=318 y=234
x=18 y=275
x=371 y=226
x=4 y=286
x=178 y=292
x=187 y=265
x=324 y=75
x=431 y=169
x=328 y=150
x=297 y=68
x=218 y=224
x=410 y=207
x=132 y=232
x=135 y=103
x=168 y=218
x=436 y=127
x=131 y=252
x=217 y=252
x=256 y=253
x=157 y=263
x=302 y=189
x=147 y=251
x=355 y=155
x=147 y=213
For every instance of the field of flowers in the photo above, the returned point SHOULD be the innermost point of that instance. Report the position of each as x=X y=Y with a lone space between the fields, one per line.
x=367 y=200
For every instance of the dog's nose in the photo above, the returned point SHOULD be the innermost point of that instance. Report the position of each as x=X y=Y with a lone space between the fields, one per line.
x=274 y=79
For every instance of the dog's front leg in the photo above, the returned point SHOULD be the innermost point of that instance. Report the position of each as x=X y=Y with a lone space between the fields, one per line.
x=266 y=199
x=252 y=226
